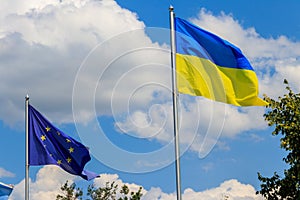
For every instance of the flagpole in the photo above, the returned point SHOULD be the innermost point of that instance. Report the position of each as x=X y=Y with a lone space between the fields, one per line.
x=26 y=150
x=175 y=104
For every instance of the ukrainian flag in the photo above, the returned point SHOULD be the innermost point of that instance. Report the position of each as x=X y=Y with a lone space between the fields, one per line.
x=211 y=67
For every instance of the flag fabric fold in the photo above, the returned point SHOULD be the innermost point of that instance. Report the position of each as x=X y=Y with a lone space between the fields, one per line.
x=209 y=66
x=49 y=145
x=5 y=190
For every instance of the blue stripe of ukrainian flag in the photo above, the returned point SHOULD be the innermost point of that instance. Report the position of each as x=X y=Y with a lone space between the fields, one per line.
x=209 y=66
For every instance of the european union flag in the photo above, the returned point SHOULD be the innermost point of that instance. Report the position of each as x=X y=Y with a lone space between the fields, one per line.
x=5 y=190
x=49 y=145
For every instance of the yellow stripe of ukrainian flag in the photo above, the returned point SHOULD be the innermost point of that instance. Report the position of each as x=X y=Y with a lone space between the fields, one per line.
x=201 y=77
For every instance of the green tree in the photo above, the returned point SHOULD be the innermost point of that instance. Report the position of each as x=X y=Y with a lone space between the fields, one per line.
x=109 y=192
x=133 y=195
x=69 y=192
x=284 y=116
x=104 y=193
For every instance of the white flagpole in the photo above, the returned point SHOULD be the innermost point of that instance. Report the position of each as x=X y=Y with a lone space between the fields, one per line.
x=26 y=150
x=175 y=104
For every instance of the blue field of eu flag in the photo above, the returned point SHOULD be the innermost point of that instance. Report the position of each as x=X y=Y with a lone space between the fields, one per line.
x=49 y=145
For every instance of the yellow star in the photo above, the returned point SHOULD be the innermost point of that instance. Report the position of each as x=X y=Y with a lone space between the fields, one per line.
x=68 y=140
x=48 y=128
x=59 y=162
x=71 y=149
x=69 y=159
x=43 y=137
x=58 y=133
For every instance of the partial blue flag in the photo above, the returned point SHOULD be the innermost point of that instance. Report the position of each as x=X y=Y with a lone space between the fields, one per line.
x=5 y=190
x=49 y=145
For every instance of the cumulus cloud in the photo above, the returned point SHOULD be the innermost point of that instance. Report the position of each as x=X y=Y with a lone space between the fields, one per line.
x=202 y=123
x=47 y=187
x=43 y=44
x=109 y=178
x=230 y=189
x=67 y=23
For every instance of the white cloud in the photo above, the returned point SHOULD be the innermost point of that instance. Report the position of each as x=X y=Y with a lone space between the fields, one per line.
x=104 y=178
x=43 y=44
x=49 y=179
x=69 y=23
x=5 y=173
x=46 y=186
x=202 y=123
x=231 y=188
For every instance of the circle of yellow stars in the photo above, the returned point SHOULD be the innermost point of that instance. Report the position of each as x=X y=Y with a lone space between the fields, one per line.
x=71 y=149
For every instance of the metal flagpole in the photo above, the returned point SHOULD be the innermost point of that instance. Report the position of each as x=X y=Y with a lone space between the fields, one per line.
x=26 y=150
x=175 y=95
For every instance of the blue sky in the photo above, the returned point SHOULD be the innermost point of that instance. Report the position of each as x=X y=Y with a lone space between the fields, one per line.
x=99 y=70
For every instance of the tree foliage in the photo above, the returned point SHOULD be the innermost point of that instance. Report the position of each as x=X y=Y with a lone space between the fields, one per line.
x=284 y=116
x=111 y=191
x=69 y=192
